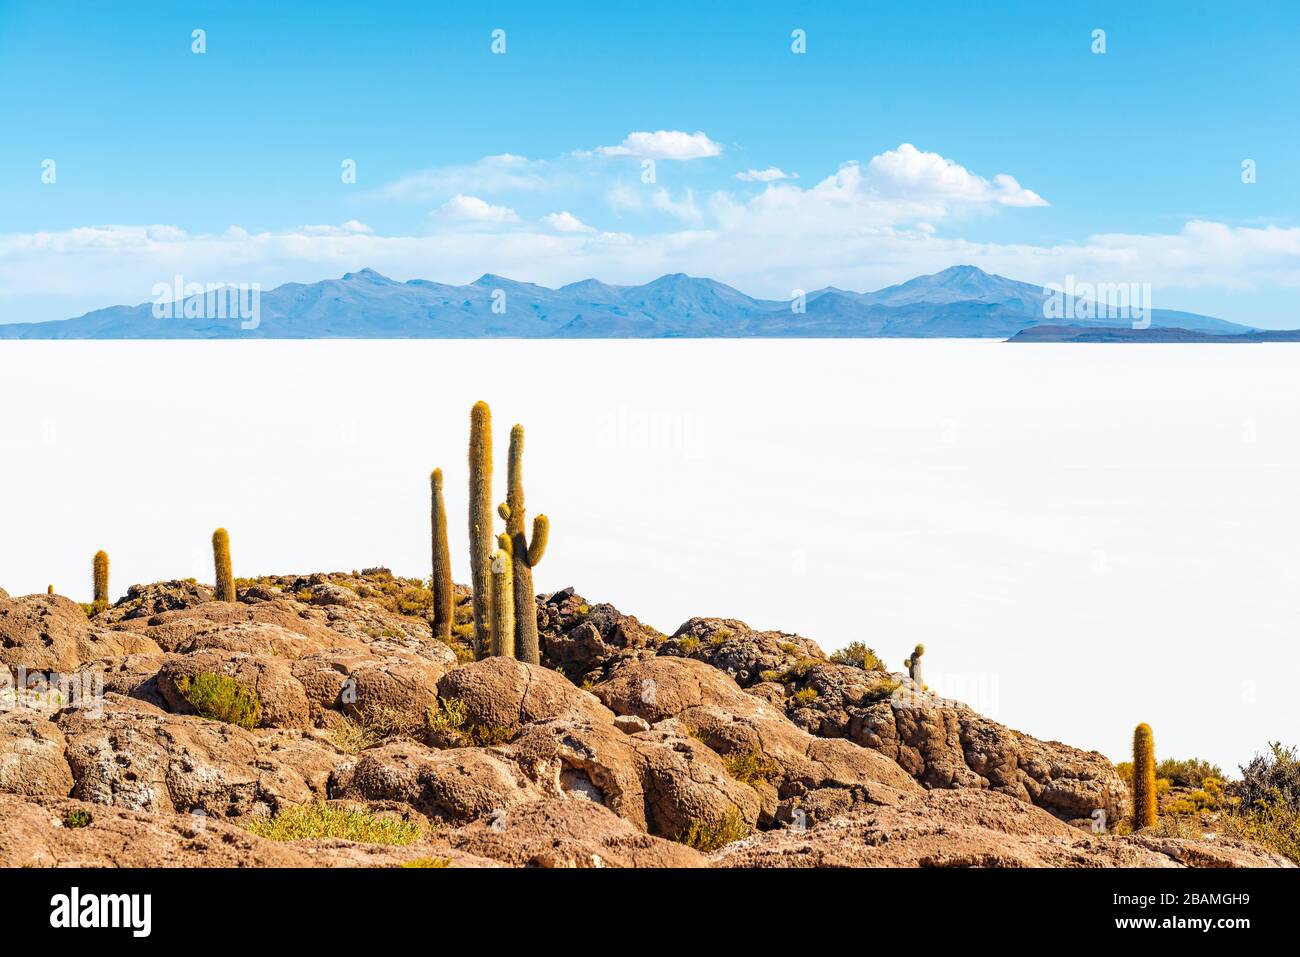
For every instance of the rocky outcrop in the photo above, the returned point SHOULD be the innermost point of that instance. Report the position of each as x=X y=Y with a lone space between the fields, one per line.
x=944 y=744
x=622 y=746
x=586 y=642
x=969 y=828
x=51 y=634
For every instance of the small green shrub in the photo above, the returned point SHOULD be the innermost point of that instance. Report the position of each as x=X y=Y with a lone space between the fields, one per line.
x=750 y=767
x=805 y=698
x=219 y=698
x=883 y=689
x=328 y=821
x=1188 y=772
x=708 y=836
x=1270 y=778
x=858 y=655
x=1270 y=822
x=688 y=644
x=450 y=719
x=76 y=818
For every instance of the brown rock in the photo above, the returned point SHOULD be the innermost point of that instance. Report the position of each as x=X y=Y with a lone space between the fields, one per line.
x=284 y=700
x=504 y=693
x=135 y=756
x=31 y=756
x=457 y=785
x=568 y=833
x=956 y=828
x=49 y=633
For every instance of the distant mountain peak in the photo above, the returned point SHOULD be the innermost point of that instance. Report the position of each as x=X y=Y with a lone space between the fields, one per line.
x=367 y=275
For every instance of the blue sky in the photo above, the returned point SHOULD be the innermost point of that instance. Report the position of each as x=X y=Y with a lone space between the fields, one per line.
x=1126 y=165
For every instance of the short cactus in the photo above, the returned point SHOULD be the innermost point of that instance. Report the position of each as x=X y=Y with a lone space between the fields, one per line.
x=914 y=665
x=1144 y=777
x=503 y=600
x=49 y=590
x=440 y=583
x=221 y=559
x=525 y=554
x=101 y=579
x=480 y=523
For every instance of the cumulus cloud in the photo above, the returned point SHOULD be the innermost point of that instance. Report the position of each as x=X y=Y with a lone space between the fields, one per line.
x=471 y=209
x=770 y=175
x=664 y=145
x=565 y=222
x=919 y=175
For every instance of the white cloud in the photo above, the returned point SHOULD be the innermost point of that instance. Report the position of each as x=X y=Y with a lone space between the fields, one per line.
x=504 y=173
x=862 y=227
x=769 y=175
x=622 y=196
x=664 y=145
x=917 y=175
x=471 y=209
x=565 y=222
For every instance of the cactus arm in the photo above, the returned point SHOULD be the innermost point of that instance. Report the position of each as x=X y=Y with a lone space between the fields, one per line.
x=537 y=547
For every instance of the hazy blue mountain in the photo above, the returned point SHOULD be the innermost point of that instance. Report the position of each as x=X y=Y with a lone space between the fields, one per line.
x=960 y=302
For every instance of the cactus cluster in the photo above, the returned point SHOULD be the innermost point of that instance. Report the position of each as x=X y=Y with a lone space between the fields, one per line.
x=1144 y=777
x=505 y=610
x=501 y=565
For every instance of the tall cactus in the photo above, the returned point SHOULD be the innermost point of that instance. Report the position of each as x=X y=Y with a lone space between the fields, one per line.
x=1144 y=777
x=221 y=559
x=101 y=580
x=480 y=523
x=524 y=554
x=503 y=600
x=440 y=583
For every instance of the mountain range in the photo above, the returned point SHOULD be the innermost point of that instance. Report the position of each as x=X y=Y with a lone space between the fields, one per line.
x=959 y=302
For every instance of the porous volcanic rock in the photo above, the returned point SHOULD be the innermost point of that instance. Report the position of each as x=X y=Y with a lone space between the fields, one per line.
x=135 y=756
x=457 y=785
x=945 y=744
x=51 y=634
x=783 y=763
x=505 y=693
x=568 y=833
x=969 y=828
x=31 y=755
x=283 y=697
x=587 y=641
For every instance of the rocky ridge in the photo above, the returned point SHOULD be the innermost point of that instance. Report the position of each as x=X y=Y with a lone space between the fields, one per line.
x=718 y=745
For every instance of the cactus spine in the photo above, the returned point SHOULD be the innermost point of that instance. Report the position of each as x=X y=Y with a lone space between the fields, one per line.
x=1144 y=777
x=101 y=579
x=480 y=523
x=525 y=554
x=221 y=559
x=440 y=583
x=503 y=600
